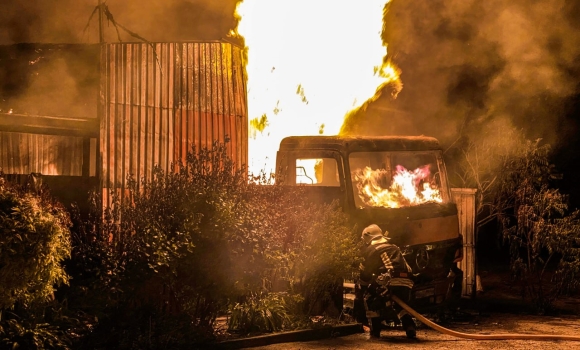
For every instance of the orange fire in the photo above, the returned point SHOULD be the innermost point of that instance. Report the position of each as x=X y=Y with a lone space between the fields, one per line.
x=405 y=188
x=308 y=64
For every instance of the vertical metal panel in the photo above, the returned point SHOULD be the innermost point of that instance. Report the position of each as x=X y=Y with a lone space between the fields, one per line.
x=464 y=198
x=160 y=100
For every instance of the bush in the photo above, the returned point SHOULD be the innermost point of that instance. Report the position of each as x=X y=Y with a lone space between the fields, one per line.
x=322 y=252
x=181 y=248
x=14 y=335
x=515 y=189
x=260 y=312
x=34 y=242
x=543 y=235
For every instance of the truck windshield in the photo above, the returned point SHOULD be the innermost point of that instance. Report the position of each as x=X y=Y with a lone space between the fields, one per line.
x=395 y=179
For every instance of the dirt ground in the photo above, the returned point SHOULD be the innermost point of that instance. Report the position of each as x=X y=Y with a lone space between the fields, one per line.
x=430 y=339
x=499 y=309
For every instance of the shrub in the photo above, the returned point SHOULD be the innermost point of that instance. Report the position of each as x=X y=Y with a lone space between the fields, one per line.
x=310 y=245
x=515 y=189
x=543 y=235
x=34 y=241
x=15 y=335
x=180 y=248
x=323 y=254
x=260 y=312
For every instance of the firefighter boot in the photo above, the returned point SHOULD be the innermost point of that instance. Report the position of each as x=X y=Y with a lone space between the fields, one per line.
x=376 y=326
x=409 y=326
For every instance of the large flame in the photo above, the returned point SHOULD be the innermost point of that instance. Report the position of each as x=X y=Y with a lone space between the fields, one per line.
x=308 y=64
x=407 y=187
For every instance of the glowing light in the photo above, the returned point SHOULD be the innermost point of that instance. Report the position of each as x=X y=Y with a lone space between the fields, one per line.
x=308 y=64
x=407 y=187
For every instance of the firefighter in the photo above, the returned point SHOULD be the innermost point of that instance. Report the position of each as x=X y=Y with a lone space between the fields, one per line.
x=384 y=270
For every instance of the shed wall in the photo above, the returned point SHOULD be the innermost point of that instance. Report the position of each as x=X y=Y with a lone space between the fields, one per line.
x=160 y=100
x=46 y=154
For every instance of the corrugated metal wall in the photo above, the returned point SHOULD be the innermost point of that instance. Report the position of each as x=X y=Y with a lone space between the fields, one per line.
x=464 y=198
x=23 y=153
x=160 y=100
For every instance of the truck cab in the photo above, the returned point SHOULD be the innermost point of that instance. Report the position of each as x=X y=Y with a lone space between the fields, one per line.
x=397 y=182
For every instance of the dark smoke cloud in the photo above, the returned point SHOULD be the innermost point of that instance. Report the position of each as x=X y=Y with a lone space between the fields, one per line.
x=467 y=62
x=42 y=21
x=470 y=68
x=475 y=71
x=37 y=21
x=54 y=80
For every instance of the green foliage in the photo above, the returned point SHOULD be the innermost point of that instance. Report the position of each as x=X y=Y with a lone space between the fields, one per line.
x=180 y=248
x=514 y=181
x=260 y=312
x=310 y=245
x=534 y=218
x=477 y=163
x=15 y=335
x=34 y=241
x=161 y=259
x=323 y=256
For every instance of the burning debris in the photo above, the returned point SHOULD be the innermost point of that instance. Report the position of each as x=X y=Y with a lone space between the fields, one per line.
x=395 y=179
x=380 y=188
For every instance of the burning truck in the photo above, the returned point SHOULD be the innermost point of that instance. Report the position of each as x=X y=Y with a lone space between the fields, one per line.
x=399 y=183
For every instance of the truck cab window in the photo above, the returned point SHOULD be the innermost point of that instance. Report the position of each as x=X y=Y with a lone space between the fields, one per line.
x=317 y=172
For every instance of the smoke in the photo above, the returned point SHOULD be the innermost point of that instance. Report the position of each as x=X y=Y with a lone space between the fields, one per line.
x=42 y=21
x=176 y=20
x=62 y=79
x=37 y=21
x=463 y=62
x=466 y=63
x=49 y=80
x=487 y=73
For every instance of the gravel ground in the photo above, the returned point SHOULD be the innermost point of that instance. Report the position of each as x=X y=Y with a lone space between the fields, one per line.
x=498 y=310
x=429 y=339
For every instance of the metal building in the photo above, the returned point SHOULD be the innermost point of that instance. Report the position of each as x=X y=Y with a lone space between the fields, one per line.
x=86 y=116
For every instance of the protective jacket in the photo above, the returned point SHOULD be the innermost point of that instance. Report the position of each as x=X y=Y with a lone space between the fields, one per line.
x=381 y=256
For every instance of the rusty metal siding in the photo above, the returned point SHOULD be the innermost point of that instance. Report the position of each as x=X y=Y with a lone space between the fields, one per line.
x=464 y=198
x=160 y=101
x=24 y=153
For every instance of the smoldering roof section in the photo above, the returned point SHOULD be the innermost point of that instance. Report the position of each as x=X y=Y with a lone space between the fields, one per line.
x=45 y=80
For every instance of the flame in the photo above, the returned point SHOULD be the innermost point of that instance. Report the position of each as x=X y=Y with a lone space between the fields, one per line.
x=407 y=187
x=308 y=64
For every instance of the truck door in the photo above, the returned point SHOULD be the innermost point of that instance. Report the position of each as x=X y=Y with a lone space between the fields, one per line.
x=320 y=170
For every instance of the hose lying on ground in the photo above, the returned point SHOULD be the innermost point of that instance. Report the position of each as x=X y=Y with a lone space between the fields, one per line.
x=504 y=336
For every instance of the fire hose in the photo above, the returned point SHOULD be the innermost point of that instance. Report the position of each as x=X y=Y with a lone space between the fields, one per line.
x=499 y=336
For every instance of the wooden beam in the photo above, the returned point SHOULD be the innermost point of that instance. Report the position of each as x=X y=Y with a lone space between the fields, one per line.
x=45 y=125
